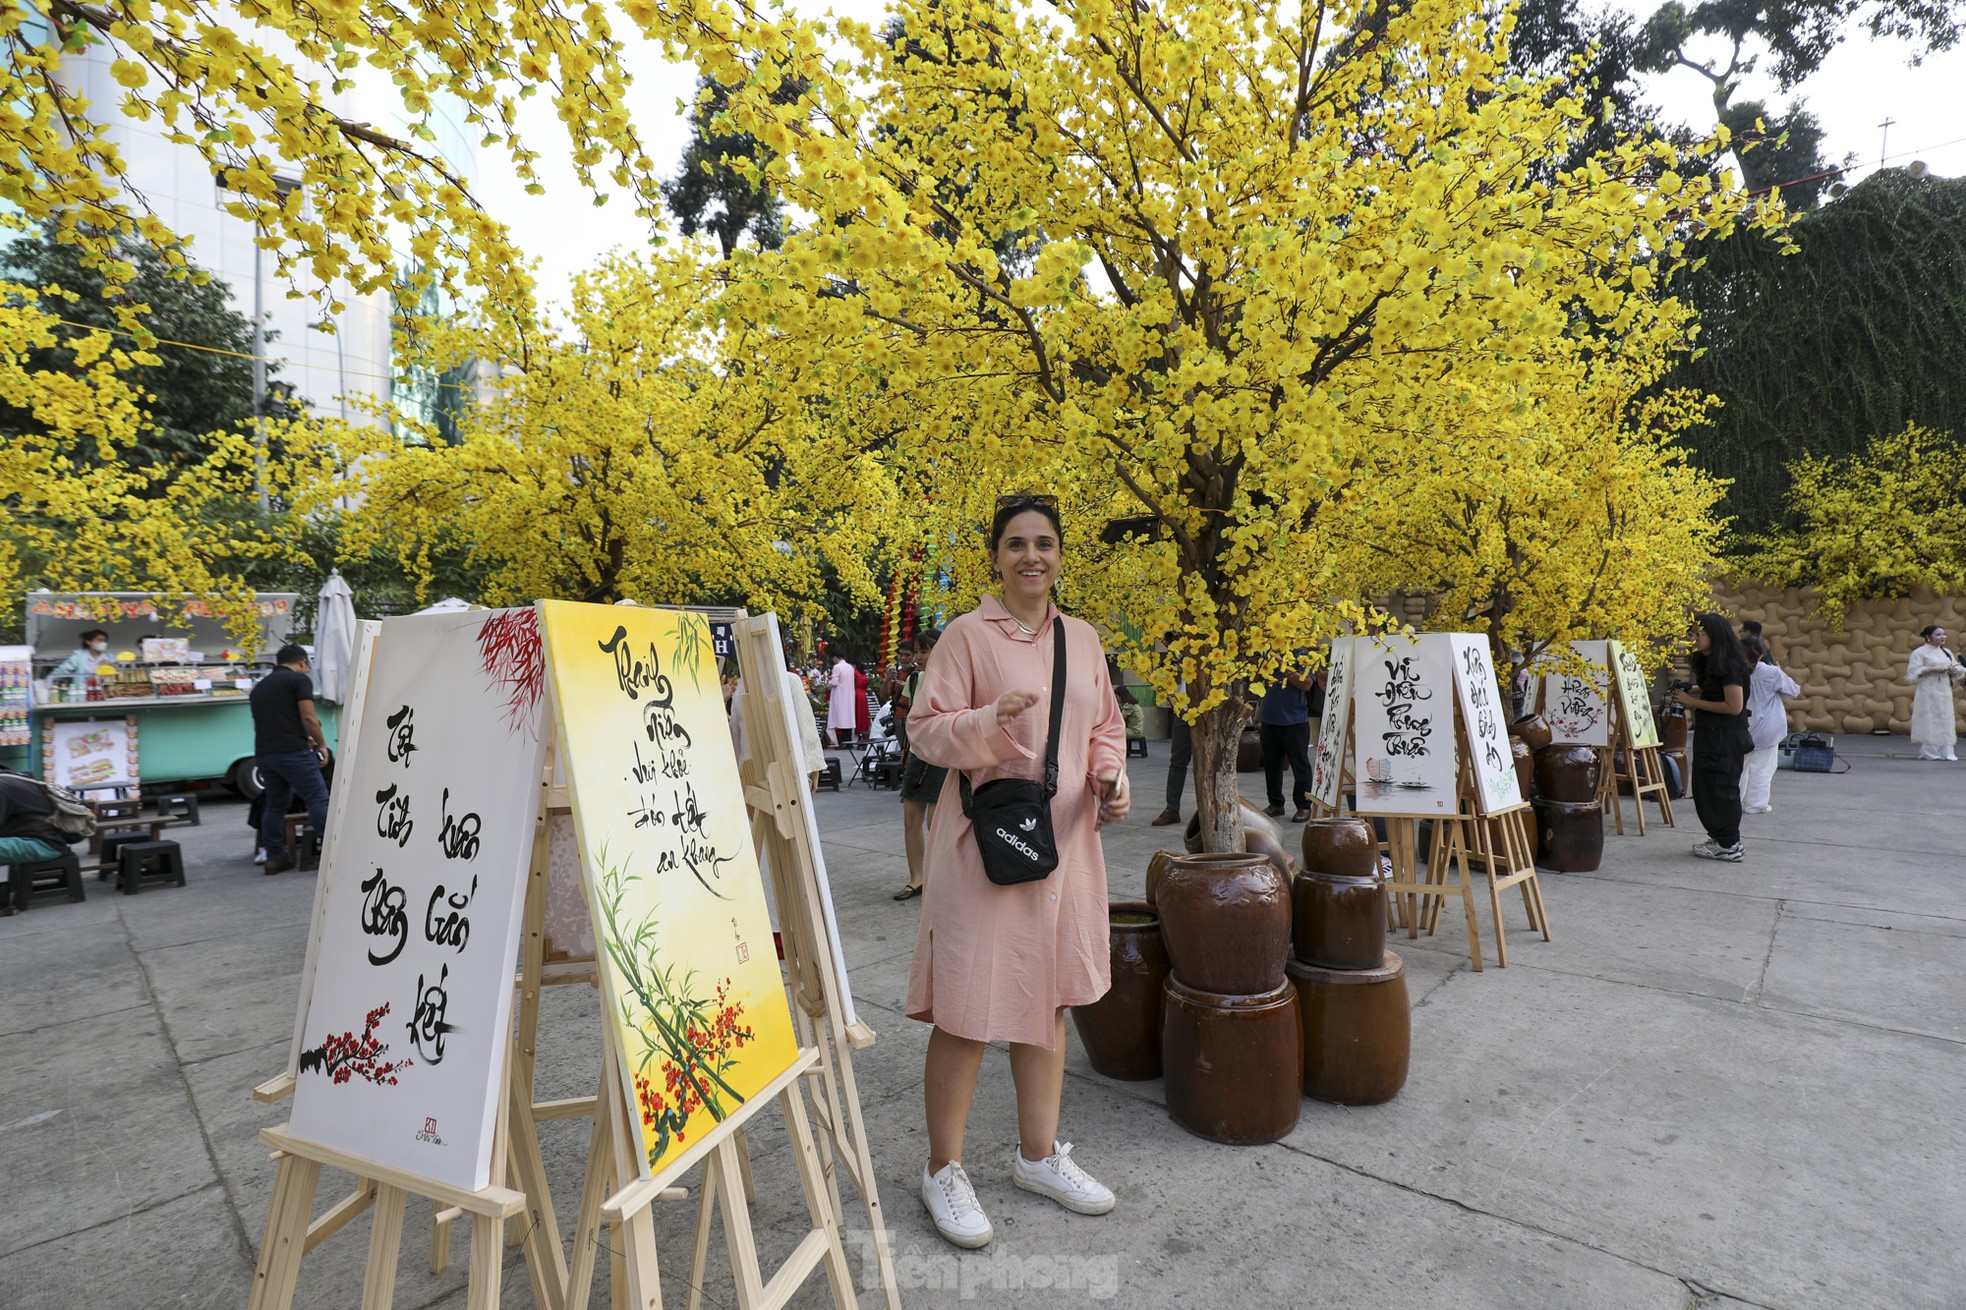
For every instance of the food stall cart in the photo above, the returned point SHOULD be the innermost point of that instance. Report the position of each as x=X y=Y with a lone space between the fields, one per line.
x=167 y=705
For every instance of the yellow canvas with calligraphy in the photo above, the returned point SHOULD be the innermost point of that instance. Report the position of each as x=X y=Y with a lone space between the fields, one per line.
x=689 y=975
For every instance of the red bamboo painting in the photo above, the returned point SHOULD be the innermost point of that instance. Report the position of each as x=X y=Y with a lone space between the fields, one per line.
x=511 y=656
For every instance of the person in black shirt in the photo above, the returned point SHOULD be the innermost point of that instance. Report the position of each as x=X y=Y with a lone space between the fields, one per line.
x=290 y=750
x=1720 y=735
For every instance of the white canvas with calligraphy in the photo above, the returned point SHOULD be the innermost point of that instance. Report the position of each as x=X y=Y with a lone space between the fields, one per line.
x=1404 y=759
x=1496 y=784
x=403 y=1037
x=1328 y=759
x=1635 y=695
x=1577 y=707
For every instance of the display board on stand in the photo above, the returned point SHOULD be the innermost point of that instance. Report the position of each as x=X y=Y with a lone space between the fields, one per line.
x=1333 y=745
x=1634 y=762
x=1577 y=705
x=1429 y=741
x=1404 y=757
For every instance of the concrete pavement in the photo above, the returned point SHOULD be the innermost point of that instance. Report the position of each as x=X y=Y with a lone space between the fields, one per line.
x=1719 y=1086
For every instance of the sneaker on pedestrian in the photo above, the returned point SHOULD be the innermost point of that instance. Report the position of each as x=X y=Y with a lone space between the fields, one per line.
x=1713 y=850
x=952 y=1204
x=259 y=856
x=1166 y=817
x=1059 y=1177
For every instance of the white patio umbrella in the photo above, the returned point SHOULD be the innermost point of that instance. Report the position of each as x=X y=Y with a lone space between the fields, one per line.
x=450 y=605
x=334 y=639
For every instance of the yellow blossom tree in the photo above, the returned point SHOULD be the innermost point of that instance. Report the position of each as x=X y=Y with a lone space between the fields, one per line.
x=1205 y=268
x=99 y=523
x=1877 y=523
x=617 y=461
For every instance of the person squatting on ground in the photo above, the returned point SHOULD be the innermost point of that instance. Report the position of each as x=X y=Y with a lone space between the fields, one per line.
x=1720 y=735
x=1933 y=670
x=1768 y=721
x=1001 y=963
x=921 y=782
x=289 y=748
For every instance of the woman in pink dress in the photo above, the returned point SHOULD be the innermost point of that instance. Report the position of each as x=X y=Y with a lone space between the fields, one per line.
x=996 y=963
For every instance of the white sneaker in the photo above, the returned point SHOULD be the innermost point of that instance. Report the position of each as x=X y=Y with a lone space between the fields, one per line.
x=1713 y=850
x=259 y=856
x=952 y=1204
x=1757 y=809
x=1058 y=1177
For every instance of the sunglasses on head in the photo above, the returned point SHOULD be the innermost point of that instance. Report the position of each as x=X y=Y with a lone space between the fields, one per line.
x=1027 y=501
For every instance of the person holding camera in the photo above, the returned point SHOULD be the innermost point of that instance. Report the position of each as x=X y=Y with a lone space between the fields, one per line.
x=1718 y=697
x=997 y=961
x=1768 y=721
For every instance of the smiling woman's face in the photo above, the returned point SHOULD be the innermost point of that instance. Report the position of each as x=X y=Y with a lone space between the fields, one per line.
x=1028 y=556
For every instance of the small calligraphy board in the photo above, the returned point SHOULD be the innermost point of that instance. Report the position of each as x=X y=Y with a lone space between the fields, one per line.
x=1481 y=710
x=1403 y=742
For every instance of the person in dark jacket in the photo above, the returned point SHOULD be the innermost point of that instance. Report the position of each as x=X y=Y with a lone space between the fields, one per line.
x=27 y=830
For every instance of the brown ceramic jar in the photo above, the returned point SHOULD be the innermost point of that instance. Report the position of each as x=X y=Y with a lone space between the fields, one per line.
x=1570 y=835
x=1532 y=728
x=1121 y=1030
x=1338 y=922
x=1156 y=869
x=1525 y=766
x=1233 y=1063
x=1344 y=848
x=1249 y=752
x=1358 y=1031
x=1226 y=922
x=1567 y=773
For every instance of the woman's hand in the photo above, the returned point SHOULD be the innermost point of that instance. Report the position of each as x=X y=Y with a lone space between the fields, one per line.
x=1686 y=698
x=1116 y=799
x=1011 y=704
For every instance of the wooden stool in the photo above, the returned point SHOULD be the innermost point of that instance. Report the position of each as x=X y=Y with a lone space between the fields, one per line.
x=303 y=843
x=180 y=808
x=62 y=871
x=145 y=862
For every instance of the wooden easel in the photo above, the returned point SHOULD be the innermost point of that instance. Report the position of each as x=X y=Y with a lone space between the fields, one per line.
x=612 y=1192
x=1643 y=772
x=1471 y=840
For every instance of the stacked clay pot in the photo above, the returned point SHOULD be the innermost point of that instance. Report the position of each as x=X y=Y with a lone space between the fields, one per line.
x=1569 y=818
x=1121 y=1031
x=1230 y=1036
x=1351 y=990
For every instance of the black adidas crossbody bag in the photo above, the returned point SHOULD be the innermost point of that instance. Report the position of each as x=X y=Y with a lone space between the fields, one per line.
x=1011 y=817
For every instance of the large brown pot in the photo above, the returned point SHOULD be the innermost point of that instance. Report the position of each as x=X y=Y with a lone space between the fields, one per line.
x=1156 y=868
x=1570 y=835
x=1338 y=922
x=1345 y=848
x=1233 y=1063
x=1226 y=922
x=1121 y=1030
x=1358 y=1031
x=1532 y=728
x=1525 y=766
x=1567 y=773
x=1261 y=835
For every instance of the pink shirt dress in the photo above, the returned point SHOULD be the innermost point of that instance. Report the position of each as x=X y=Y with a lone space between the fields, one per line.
x=995 y=963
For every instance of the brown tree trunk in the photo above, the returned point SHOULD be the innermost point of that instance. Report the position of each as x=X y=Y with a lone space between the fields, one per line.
x=1216 y=739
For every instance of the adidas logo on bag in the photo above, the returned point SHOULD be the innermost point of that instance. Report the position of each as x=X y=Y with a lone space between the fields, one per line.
x=1010 y=839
